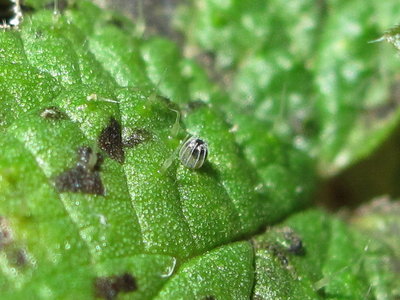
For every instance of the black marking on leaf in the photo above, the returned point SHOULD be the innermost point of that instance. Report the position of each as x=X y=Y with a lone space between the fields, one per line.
x=209 y=298
x=137 y=137
x=10 y=13
x=53 y=113
x=5 y=233
x=295 y=244
x=109 y=287
x=80 y=180
x=85 y=176
x=110 y=141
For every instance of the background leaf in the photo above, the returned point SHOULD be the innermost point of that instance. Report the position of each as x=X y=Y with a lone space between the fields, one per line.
x=94 y=201
x=307 y=70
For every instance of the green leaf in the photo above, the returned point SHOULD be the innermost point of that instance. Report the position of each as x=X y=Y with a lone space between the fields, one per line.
x=17 y=94
x=94 y=201
x=93 y=194
x=355 y=82
x=306 y=71
x=315 y=256
x=207 y=277
x=379 y=220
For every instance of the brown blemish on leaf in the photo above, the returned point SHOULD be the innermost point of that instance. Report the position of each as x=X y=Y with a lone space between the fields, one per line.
x=279 y=252
x=18 y=258
x=109 y=287
x=137 y=137
x=85 y=176
x=53 y=113
x=5 y=233
x=110 y=141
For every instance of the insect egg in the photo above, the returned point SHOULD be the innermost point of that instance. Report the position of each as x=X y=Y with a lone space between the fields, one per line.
x=193 y=153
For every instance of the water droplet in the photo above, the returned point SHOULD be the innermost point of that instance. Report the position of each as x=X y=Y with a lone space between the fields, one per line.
x=170 y=269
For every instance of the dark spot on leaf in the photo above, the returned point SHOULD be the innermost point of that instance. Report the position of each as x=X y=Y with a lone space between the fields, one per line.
x=279 y=252
x=85 y=176
x=5 y=233
x=109 y=287
x=38 y=34
x=194 y=105
x=10 y=13
x=115 y=22
x=17 y=257
x=209 y=298
x=295 y=244
x=110 y=141
x=53 y=113
x=80 y=180
x=137 y=137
